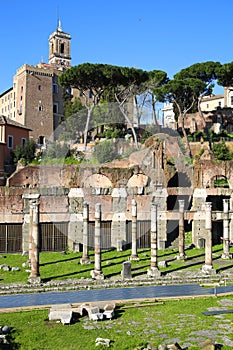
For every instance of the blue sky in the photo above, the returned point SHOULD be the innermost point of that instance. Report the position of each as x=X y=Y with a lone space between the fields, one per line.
x=167 y=35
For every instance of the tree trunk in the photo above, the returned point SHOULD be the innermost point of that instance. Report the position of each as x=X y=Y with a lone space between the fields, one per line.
x=182 y=117
x=120 y=104
x=130 y=124
x=204 y=122
x=89 y=113
x=154 y=110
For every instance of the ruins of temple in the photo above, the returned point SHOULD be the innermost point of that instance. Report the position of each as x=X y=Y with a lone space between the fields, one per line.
x=147 y=177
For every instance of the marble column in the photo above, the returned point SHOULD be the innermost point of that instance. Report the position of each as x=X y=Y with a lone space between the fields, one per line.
x=34 y=242
x=85 y=257
x=226 y=236
x=134 y=254
x=181 y=254
x=153 y=271
x=97 y=272
x=208 y=267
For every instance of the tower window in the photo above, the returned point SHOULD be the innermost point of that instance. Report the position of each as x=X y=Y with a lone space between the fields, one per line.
x=55 y=108
x=55 y=89
x=39 y=87
x=62 y=47
x=40 y=108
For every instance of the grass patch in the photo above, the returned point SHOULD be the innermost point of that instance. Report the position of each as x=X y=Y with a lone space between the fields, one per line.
x=179 y=321
x=60 y=266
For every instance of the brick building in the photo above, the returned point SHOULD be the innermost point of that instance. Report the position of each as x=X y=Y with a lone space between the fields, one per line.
x=36 y=99
x=12 y=134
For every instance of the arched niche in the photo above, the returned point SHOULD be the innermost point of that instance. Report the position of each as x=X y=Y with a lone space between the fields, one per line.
x=98 y=181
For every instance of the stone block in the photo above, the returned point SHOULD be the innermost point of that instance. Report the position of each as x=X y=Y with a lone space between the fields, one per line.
x=174 y=346
x=126 y=270
x=61 y=312
x=162 y=263
x=102 y=342
x=15 y=268
x=208 y=344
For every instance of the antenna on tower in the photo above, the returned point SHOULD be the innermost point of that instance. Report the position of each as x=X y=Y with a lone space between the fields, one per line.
x=59 y=28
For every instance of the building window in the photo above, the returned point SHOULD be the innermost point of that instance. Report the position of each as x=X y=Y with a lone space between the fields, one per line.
x=20 y=111
x=2 y=133
x=62 y=47
x=21 y=89
x=55 y=108
x=39 y=87
x=10 y=141
x=40 y=108
x=41 y=140
x=23 y=141
x=55 y=88
x=207 y=106
x=220 y=104
x=232 y=100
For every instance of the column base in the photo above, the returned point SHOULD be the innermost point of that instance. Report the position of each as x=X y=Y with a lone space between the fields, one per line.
x=97 y=275
x=134 y=257
x=85 y=261
x=34 y=279
x=181 y=256
x=226 y=256
x=153 y=272
x=208 y=269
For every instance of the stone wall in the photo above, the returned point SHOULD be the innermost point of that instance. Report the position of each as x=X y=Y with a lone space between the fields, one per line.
x=63 y=190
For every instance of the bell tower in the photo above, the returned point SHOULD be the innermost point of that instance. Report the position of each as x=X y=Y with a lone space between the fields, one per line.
x=59 y=49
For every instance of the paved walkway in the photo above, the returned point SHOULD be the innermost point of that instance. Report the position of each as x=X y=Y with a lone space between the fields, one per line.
x=117 y=294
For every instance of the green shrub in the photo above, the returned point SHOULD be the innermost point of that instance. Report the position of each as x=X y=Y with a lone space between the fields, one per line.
x=221 y=152
x=24 y=154
x=104 y=151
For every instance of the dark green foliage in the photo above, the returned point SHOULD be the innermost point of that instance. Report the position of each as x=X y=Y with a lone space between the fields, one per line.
x=150 y=130
x=113 y=132
x=56 y=150
x=73 y=107
x=105 y=151
x=25 y=153
x=205 y=71
x=73 y=126
x=221 y=152
x=225 y=74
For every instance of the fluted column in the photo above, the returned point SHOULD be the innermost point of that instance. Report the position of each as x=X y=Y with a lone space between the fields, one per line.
x=134 y=254
x=226 y=237
x=208 y=268
x=97 y=272
x=85 y=257
x=34 y=242
x=153 y=271
x=181 y=254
